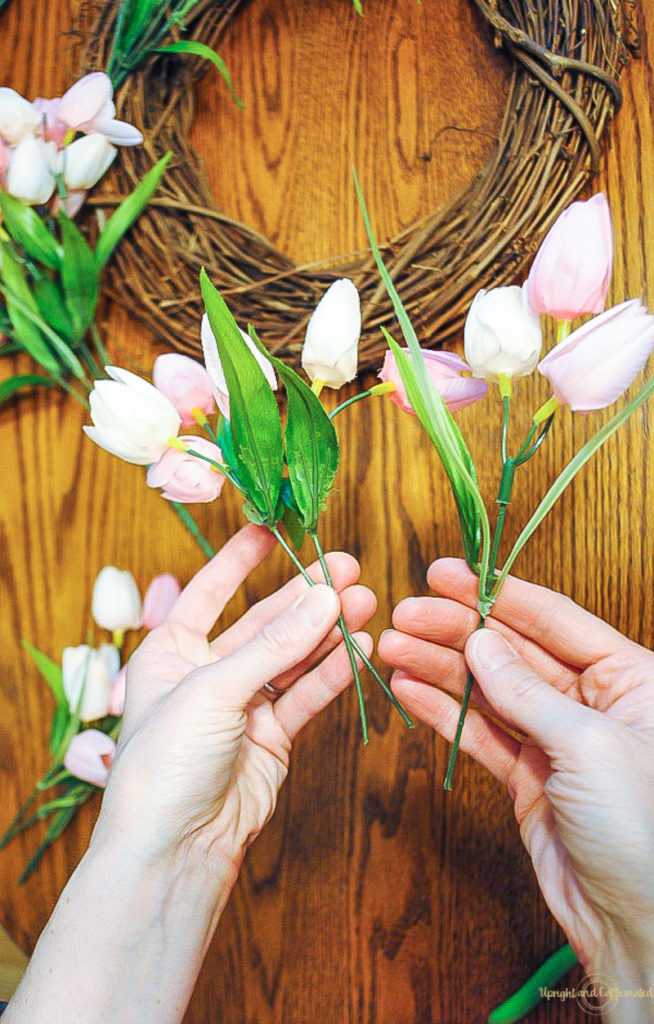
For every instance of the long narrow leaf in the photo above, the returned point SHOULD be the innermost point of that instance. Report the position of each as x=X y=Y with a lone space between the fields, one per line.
x=196 y=49
x=128 y=211
x=255 y=425
x=24 y=380
x=21 y=308
x=567 y=475
x=68 y=357
x=312 y=450
x=79 y=275
x=26 y=227
x=52 y=306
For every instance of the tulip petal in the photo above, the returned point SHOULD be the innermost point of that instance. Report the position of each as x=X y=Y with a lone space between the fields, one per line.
x=85 y=99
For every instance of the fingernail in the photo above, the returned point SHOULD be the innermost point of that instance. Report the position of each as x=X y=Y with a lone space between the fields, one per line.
x=489 y=650
x=316 y=606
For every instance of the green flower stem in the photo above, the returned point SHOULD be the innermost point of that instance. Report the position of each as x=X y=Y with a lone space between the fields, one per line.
x=378 y=389
x=528 y=997
x=193 y=528
x=99 y=347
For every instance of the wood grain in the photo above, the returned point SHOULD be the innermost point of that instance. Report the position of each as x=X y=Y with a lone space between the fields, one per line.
x=371 y=897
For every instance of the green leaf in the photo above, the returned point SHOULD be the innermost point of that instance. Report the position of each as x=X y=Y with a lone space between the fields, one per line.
x=438 y=422
x=52 y=306
x=255 y=425
x=357 y=7
x=294 y=528
x=567 y=475
x=312 y=451
x=20 y=303
x=68 y=358
x=79 y=275
x=23 y=380
x=26 y=227
x=51 y=672
x=128 y=211
x=202 y=50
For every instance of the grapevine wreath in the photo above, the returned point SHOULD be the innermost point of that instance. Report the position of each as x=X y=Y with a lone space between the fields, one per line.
x=567 y=56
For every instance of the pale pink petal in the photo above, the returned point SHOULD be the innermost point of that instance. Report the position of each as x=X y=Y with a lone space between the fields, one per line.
x=89 y=757
x=85 y=99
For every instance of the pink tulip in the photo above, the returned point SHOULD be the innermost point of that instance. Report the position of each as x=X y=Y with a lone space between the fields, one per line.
x=53 y=129
x=598 y=361
x=89 y=757
x=117 y=693
x=444 y=371
x=88 y=107
x=186 y=383
x=572 y=270
x=185 y=478
x=159 y=599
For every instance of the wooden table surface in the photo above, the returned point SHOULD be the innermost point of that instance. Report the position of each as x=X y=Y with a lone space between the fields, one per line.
x=372 y=897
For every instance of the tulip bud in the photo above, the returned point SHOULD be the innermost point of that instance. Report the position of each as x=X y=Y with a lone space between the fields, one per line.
x=502 y=335
x=186 y=383
x=89 y=756
x=444 y=371
x=86 y=160
x=593 y=366
x=215 y=369
x=29 y=177
x=116 y=603
x=93 y=671
x=88 y=98
x=131 y=418
x=18 y=117
x=571 y=272
x=185 y=478
x=159 y=599
x=330 y=350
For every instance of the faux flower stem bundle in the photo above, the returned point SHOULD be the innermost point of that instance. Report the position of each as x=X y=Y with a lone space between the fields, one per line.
x=284 y=471
x=52 y=151
x=89 y=692
x=588 y=369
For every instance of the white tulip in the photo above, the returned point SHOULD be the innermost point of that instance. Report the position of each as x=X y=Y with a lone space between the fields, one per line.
x=330 y=351
x=93 y=670
x=502 y=335
x=86 y=160
x=214 y=366
x=116 y=603
x=29 y=175
x=18 y=117
x=131 y=419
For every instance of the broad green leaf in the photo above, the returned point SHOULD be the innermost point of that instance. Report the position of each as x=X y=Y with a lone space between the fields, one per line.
x=26 y=227
x=52 y=306
x=567 y=475
x=128 y=211
x=294 y=528
x=79 y=275
x=23 y=380
x=202 y=50
x=20 y=304
x=255 y=425
x=451 y=447
x=357 y=7
x=312 y=451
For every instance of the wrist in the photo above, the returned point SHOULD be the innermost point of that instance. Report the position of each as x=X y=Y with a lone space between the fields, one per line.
x=624 y=970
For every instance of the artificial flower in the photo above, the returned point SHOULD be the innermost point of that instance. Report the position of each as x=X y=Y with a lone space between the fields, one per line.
x=502 y=335
x=93 y=670
x=116 y=602
x=183 y=477
x=330 y=350
x=29 y=175
x=159 y=599
x=598 y=361
x=215 y=369
x=444 y=371
x=85 y=161
x=571 y=272
x=88 y=107
x=18 y=117
x=131 y=418
x=186 y=383
x=89 y=756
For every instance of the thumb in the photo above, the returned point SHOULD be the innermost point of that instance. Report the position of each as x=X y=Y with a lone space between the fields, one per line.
x=280 y=645
x=520 y=696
